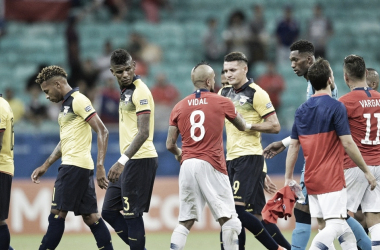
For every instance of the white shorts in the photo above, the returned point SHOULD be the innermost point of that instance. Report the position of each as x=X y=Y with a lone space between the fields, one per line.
x=199 y=183
x=329 y=205
x=359 y=191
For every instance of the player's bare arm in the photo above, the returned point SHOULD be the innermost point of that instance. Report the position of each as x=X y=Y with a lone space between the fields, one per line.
x=102 y=138
x=291 y=159
x=143 y=122
x=38 y=172
x=269 y=186
x=239 y=122
x=171 y=142
x=273 y=149
x=1 y=139
x=354 y=153
x=270 y=125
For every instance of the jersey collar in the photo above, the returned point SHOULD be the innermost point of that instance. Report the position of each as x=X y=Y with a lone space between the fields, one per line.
x=69 y=93
x=136 y=77
x=366 y=90
x=245 y=85
x=199 y=91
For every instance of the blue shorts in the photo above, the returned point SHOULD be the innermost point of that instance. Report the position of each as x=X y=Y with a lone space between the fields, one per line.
x=302 y=184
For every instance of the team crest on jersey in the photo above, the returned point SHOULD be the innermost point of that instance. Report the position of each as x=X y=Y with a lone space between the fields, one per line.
x=65 y=109
x=243 y=100
x=127 y=98
x=268 y=105
x=143 y=102
x=88 y=108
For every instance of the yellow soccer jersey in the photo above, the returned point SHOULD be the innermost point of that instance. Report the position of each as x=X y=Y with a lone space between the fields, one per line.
x=136 y=99
x=75 y=132
x=6 y=127
x=253 y=103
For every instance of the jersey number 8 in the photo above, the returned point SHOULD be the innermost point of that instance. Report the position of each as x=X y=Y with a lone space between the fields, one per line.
x=199 y=125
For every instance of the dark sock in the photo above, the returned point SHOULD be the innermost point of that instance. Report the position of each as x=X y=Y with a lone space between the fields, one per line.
x=136 y=233
x=102 y=235
x=241 y=240
x=54 y=232
x=276 y=234
x=250 y=222
x=116 y=220
x=5 y=237
x=366 y=230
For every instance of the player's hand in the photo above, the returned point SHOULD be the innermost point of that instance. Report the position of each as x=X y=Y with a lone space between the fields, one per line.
x=37 y=173
x=269 y=186
x=115 y=172
x=101 y=177
x=371 y=180
x=287 y=181
x=273 y=149
x=179 y=156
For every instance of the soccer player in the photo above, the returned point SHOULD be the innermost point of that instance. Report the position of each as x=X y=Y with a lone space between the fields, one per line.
x=301 y=58
x=363 y=110
x=133 y=175
x=223 y=79
x=321 y=128
x=74 y=188
x=6 y=169
x=372 y=78
x=199 y=118
x=245 y=161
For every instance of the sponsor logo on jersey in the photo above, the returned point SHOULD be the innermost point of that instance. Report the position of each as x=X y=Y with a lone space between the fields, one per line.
x=268 y=105
x=243 y=100
x=127 y=98
x=88 y=108
x=144 y=102
x=65 y=109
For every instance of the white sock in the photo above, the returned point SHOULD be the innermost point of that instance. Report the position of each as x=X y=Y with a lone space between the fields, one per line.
x=375 y=236
x=331 y=247
x=179 y=237
x=230 y=231
x=347 y=238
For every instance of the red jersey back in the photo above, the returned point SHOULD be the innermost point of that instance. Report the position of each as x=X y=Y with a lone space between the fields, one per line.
x=200 y=120
x=363 y=109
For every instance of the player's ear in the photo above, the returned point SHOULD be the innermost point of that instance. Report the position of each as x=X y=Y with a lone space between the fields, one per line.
x=345 y=77
x=113 y=72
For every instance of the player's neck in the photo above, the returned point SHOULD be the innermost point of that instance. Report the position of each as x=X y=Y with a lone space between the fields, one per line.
x=238 y=86
x=66 y=89
x=323 y=91
x=357 y=84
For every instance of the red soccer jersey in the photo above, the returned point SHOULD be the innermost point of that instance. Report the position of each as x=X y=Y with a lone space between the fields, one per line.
x=200 y=120
x=363 y=110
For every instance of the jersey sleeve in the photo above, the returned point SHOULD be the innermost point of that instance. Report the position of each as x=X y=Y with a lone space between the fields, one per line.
x=262 y=104
x=3 y=119
x=294 y=134
x=143 y=101
x=82 y=106
x=229 y=109
x=173 y=120
x=342 y=127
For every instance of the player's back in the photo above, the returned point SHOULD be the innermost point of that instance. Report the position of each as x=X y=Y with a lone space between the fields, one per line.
x=363 y=109
x=200 y=120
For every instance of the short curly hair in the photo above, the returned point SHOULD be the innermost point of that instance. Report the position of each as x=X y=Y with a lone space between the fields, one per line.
x=50 y=72
x=303 y=46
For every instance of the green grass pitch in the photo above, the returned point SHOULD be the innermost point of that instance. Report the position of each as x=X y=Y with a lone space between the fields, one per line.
x=154 y=241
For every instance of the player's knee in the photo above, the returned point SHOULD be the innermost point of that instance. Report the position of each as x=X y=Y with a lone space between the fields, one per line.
x=233 y=224
x=61 y=213
x=90 y=219
x=188 y=224
x=109 y=216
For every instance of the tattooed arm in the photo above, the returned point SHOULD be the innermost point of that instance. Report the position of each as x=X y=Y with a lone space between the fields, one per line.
x=143 y=122
x=38 y=172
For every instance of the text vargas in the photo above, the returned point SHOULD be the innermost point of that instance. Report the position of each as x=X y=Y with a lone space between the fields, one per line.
x=370 y=103
x=194 y=102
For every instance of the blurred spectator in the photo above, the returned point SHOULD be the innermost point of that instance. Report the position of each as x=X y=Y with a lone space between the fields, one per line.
x=16 y=104
x=2 y=18
x=372 y=78
x=73 y=51
x=118 y=8
x=143 y=50
x=36 y=110
x=152 y=9
x=108 y=101
x=102 y=63
x=259 y=36
x=89 y=73
x=163 y=92
x=287 y=32
x=319 y=31
x=273 y=84
x=223 y=79
x=214 y=50
x=237 y=34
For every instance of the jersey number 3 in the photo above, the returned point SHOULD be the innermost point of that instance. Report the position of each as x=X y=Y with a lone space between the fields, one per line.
x=198 y=124
x=368 y=129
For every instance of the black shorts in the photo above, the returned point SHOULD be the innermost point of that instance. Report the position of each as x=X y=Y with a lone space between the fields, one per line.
x=74 y=190
x=133 y=191
x=245 y=174
x=260 y=201
x=5 y=195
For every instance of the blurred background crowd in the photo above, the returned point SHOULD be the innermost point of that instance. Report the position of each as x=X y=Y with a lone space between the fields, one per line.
x=167 y=38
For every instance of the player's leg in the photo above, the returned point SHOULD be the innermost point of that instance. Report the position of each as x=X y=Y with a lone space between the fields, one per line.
x=111 y=210
x=371 y=209
x=301 y=233
x=55 y=229
x=5 y=197
x=256 y=209
x=359 y=216
x=88 y=208
x=245 y=183
x=356 y=186
x=136 y=188
x=191 y=203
